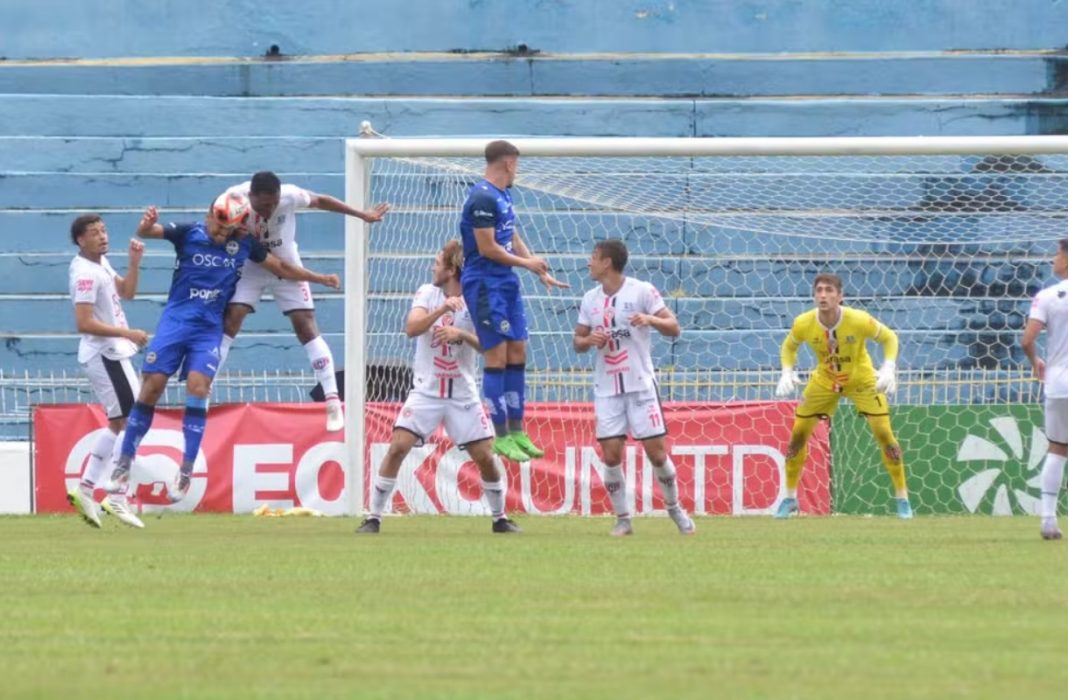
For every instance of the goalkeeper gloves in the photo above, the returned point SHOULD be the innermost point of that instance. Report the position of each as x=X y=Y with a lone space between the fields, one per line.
x=787 y=383
x=886 y=378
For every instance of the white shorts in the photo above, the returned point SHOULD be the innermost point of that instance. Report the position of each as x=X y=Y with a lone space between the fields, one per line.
x=465 y=421
x=1057 y=420
x=638 y=412
x=288 y=294
x=114 y=383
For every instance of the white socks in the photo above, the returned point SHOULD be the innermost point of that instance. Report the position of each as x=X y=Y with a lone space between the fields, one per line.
x=665 y=476
x=322 y=363
x=381 y=492
x=100 y=458
x=494 y=492
x=616 y=485
x=224 y=351
x=1052 y=478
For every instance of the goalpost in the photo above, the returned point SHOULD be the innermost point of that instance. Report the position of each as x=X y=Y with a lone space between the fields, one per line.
x=943 y=239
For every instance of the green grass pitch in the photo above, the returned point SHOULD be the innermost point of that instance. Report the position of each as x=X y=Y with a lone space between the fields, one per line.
x=235 y=607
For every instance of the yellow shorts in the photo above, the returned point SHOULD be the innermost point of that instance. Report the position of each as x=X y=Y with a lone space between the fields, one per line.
x=821 y=401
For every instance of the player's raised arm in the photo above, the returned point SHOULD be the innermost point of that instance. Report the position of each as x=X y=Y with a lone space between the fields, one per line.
x=325 y=202
x=150 y=226
x=126 y=285
x=421 y=319
x=546 y=278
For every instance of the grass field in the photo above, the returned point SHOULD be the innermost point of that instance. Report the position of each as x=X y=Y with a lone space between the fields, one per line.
x=233 y=607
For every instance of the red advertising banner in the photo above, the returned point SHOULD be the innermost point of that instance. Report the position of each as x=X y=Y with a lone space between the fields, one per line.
x=729 y=459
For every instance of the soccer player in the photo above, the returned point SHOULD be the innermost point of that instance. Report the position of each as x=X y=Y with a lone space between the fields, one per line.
x=274 y=223
x=1049 y=310
x=492 y=248
x=617 y=318
x=105 y=349
x=444 y=390
x=837 y=336
x=210 y=256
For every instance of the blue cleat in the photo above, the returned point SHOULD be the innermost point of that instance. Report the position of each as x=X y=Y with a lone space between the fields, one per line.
x=787 y=507
x=904 y=509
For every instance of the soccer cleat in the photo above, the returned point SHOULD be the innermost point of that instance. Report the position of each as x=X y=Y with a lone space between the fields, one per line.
x=120 y=508
x=507 y=448
x=504 y=525
x=1050 y=531
x=85 y=505
x=369 y=526
x=180 y=486
x=787 y=507
x=904 y=509
x=622 y=528
x=522 y=440
x=335 y=417
x=682 y=521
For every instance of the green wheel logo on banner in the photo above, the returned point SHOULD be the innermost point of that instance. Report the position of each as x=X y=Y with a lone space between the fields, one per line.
x=999 y=456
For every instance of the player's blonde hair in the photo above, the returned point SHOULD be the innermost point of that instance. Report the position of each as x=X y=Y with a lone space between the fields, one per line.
x=452 y=255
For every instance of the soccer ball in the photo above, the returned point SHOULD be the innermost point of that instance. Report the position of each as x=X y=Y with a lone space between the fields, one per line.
x=231 y=209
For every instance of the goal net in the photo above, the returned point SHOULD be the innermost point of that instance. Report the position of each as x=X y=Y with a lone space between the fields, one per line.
x=943 y=240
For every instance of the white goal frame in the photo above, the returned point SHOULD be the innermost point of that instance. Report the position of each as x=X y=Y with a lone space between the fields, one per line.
x=360 y=152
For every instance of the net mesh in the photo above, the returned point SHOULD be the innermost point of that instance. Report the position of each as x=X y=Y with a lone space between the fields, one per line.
x=946 y=250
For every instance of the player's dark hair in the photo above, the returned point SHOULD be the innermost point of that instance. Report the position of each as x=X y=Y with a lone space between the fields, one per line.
x=827 y=278
x=452 y=255
x=79 y=225
x=496 y=150
x=1063 y=245
x=265 y=182
x=615 y=250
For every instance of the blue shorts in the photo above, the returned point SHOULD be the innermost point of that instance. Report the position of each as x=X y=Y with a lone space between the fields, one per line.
x=179 y=346
x=496 y=308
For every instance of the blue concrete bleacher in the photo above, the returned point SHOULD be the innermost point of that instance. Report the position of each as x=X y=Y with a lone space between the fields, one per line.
x=116 y=135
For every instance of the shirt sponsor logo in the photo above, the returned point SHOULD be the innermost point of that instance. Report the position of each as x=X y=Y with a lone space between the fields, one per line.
x=208 y=260
x=208 y=295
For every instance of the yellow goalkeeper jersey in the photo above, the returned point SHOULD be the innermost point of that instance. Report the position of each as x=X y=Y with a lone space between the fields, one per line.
x=841 y=352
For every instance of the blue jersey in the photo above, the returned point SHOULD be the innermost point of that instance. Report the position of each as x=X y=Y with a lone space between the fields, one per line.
x=486 y=207
x=205 y=273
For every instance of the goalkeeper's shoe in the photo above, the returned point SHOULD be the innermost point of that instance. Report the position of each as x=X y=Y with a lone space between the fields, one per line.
x=504 y=525
x=507 y=448
x=119 y=506
x=1050 y=531
x=904 y=509
x=369 y=526
x=521 y=439
x=787 y=507
x=83 y=503
x=682 y=521
x=622 y=528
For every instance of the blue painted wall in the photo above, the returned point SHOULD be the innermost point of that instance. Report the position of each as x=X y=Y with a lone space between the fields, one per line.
x=108 y=28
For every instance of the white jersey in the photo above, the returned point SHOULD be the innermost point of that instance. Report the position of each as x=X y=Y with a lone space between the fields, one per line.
x=94 y=283
x=279 y=233
x=625 y=363
x=442 y=369
x=1050 y=306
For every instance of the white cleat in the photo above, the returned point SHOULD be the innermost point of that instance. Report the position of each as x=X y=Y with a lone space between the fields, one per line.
x=85 y=505
x=682 y=521
x=119 y=506
x=335 y=417
x=622 y=528
x=178 y=488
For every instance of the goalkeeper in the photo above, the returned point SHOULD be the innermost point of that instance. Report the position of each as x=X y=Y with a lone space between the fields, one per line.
x=837 y=336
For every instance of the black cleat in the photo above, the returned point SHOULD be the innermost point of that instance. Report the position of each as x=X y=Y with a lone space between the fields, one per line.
x=505 y=525
x=370 y=526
